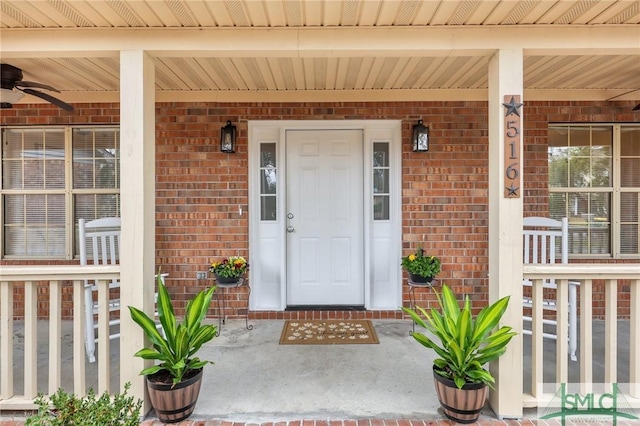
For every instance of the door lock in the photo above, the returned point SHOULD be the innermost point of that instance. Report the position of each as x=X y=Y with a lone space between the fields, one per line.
x=290 y=229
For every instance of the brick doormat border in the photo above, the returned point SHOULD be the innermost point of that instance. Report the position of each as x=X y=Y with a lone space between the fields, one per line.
x=328 y=332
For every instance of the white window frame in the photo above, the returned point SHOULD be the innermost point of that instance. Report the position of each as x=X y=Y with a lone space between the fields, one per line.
x=615 y=190
x=68 y=191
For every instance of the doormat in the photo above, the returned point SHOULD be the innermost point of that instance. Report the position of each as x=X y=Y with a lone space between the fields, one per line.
x=328 y=332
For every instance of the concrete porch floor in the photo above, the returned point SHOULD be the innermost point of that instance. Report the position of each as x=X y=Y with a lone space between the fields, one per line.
x=255 y=380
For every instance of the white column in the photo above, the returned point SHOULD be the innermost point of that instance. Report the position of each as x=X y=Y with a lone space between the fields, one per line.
x=505 y=233
x=137 y=194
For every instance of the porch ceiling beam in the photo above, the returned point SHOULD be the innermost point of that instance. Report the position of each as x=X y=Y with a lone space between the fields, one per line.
x=342 y=96
x=322 y=42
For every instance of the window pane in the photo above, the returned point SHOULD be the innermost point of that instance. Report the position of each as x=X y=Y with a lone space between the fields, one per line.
x=580 y=157
x=630 y=172
x=268 y=155
x=267 y=208
x=96 y=159
x=381 y=173
x=601 y=172
x=558 y=167
x=82 y=173
x=54 y=159
x=381 y=154
x=629 y=237
x=630 y=141
x=12 y=144
x=589 y=223
x=34 y=225
x=96 y=206
x=268 y=181
x=629 y=206
x=93 y=206
x=381 y=181
x=629 y=216
x=557 y=205
x=601 y=141
x=381 y=207
x=599 y=239
x=579 y=174
x=12 y=174
x=82 y=143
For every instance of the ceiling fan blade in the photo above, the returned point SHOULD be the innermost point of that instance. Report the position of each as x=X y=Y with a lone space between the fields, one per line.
x=37 y=85
x=637 y=108
x=65 y=106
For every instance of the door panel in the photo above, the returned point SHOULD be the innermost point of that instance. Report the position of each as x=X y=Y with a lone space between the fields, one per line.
x=325 y=217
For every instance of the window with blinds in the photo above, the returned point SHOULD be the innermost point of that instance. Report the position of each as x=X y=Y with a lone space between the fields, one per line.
x=594 y=181
x=51 y=177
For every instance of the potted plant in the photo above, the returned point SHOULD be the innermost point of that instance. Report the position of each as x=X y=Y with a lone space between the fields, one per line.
x=229 y=270
x=421 y=268
x=466 y=345
x=174 y=383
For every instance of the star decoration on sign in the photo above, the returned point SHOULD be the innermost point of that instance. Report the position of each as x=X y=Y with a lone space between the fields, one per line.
x=512 y=190
x=512 y=107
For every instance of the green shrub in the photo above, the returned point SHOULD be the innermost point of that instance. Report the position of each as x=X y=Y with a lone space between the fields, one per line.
x=64 y=409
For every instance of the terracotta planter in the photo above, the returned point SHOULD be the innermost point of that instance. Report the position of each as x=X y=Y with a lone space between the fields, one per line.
x=174 y=404
x=460 y=405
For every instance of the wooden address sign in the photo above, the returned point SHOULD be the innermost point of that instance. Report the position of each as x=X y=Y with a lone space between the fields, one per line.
x=512 y=123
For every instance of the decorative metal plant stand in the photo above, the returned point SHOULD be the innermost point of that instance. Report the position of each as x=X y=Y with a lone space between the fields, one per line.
x=412 y=297
x=220 y=292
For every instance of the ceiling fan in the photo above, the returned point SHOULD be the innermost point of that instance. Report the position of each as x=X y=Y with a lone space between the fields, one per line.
x=12 y=88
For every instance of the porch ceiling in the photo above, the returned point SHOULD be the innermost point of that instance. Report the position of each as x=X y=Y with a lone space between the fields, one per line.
x=325 y=49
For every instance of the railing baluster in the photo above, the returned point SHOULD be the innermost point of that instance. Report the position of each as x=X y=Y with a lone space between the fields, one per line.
x=562 y=331
x=103 y=336
x=537 y=356
x=6 y=339
x=30 y=339
x=611 y=331
x=79 y=386
x=586 y=336
x=55 y=334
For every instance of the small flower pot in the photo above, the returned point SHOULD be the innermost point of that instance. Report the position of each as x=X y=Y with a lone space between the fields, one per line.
x=227 y=280
x=420 y=279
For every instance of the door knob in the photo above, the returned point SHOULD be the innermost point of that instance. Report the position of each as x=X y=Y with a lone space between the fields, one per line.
x=290 y=228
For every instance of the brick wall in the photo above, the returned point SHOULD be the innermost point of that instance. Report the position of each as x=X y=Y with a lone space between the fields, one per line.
x=444 y=191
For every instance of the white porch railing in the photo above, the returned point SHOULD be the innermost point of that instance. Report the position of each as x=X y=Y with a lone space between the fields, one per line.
x=585 y=274
x=54 y=276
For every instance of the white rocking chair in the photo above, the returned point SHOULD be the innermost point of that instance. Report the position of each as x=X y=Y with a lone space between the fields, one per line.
x=99 y=242
x=543 y=238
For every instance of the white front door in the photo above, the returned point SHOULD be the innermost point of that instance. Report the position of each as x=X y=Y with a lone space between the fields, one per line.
x=324 y=217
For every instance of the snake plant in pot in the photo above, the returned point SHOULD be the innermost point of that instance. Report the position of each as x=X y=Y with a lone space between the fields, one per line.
x=174 y=383
x=465 y=346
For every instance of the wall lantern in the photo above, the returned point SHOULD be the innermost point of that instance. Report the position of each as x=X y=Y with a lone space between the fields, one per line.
x=420 y=137
x=228 y=138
